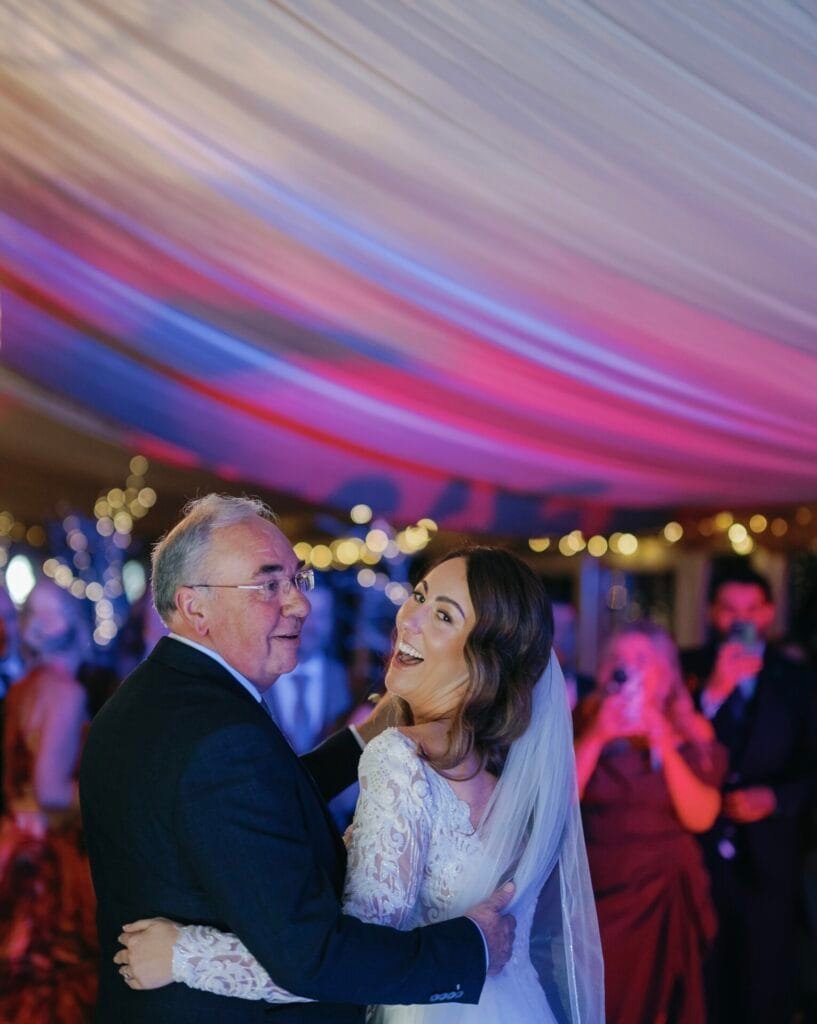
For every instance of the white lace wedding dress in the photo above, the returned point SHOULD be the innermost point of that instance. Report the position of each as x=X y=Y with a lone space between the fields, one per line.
x=408 y=846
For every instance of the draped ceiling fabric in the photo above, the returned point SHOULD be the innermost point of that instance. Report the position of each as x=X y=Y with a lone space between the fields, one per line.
x=505 y=263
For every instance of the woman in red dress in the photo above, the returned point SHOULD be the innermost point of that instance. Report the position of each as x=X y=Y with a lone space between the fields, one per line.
x=47 y=929
x=649 y=772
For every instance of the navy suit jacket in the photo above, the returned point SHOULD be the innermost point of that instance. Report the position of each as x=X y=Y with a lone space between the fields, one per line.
x=195 y=808
x=775 y=746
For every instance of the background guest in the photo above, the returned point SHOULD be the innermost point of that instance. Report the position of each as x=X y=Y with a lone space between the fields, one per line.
x=140 y=634
x=309 y=701
x=648 y=772
x=11 y=664
x=762 y=706
x=47 y=929
x=564 y=644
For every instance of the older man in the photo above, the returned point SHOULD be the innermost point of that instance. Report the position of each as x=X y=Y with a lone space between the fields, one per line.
x=196 y=808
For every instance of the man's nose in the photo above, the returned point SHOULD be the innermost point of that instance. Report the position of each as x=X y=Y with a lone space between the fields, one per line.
x=294 y=602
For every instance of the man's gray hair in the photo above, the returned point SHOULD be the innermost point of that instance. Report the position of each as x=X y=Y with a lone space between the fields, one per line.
x=177 y=559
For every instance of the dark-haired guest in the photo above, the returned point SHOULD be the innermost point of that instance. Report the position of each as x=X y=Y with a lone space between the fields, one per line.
x=649 y=772
x=762 y=707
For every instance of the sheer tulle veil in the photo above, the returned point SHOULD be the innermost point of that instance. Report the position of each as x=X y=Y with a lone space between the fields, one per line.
x=532 y=832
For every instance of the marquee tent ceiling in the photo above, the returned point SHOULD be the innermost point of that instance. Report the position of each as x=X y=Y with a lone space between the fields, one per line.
x=507 y=264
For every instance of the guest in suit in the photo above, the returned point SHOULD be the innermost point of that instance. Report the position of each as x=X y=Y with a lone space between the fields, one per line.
x=762 y=706
x=307 y=702
x=196 y=807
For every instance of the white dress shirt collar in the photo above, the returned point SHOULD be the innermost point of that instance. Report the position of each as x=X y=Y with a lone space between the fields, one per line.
x=248 y=686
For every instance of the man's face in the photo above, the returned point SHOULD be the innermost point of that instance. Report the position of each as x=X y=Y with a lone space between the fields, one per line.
x=741 y=602
x=258 y=635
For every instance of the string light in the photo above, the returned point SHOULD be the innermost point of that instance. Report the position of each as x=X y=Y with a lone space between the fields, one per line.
x=673 y=532
x=303 y=552
x=628 y=544
x=723 y=520
x=377 y=540
x=737 y=533
x=321 y=556
x=347 y=552
x=361 y=514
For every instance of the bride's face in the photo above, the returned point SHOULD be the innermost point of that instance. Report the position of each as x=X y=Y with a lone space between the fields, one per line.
x=428 y=667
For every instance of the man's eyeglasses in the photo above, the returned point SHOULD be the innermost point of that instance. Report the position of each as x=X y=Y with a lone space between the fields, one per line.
x=279 y=586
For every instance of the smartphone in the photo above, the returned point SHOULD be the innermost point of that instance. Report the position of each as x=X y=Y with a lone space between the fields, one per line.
x=628 y=684
x=744 y=633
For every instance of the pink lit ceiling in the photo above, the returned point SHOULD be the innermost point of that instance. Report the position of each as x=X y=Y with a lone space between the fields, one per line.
x=501 y=263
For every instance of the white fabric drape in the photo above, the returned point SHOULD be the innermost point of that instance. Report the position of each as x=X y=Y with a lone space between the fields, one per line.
x=460 y=257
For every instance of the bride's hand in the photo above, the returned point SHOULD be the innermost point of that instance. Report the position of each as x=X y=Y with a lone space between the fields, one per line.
x=147 y=959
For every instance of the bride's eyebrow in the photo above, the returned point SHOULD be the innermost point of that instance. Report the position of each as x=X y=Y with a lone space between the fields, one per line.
x=446 y=600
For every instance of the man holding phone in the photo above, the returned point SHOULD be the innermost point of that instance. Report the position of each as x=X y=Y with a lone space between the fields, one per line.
x=762 y=706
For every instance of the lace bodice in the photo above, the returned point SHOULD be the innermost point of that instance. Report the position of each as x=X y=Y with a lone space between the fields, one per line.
x=408 y=844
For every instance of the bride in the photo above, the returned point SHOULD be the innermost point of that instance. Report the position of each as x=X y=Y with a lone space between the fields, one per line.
x=477 y=788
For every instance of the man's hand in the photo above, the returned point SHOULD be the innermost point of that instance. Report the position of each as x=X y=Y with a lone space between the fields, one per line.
x=734 y=662
x=748 y=805
x=147 y=959
x=499 y=930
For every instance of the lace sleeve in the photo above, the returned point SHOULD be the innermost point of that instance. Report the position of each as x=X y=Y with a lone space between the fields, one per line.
x=219 y=962
x=388 y=840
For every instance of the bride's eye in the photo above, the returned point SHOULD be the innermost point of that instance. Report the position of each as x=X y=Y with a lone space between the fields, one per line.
x=418 y=596
x=443 y=616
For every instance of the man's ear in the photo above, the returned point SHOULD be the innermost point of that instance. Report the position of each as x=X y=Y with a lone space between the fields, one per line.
x=192 y=610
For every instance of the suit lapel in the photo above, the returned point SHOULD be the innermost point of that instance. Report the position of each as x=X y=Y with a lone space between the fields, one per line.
x=180 y=657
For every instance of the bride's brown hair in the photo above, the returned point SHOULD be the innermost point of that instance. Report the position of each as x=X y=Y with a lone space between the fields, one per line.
x=506 y=652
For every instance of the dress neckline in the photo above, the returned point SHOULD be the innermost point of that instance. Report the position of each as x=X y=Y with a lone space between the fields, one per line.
x=462 y=806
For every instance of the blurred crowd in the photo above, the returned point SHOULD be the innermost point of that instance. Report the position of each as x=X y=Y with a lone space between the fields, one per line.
x=696 y=773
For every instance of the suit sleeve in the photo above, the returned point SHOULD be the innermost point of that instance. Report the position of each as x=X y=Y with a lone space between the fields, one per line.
x=794 y=793
x=333 y=764
x=244 y=825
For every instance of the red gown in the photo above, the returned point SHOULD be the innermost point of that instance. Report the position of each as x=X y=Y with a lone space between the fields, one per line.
x=48 y=944
x=652 y=892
